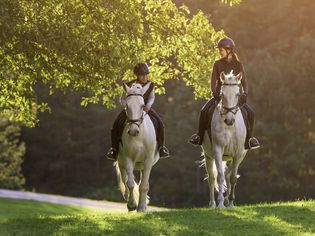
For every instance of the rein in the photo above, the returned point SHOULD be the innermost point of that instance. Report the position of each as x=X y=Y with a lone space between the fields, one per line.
x=138 y=121
x=234 y=109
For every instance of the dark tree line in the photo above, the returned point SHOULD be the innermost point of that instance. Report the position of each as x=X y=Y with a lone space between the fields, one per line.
x=276 y=43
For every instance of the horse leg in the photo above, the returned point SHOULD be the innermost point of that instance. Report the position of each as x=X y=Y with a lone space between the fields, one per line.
x=218 y=152
x=233 y=182
x=228 y=183
x=143 y=189
x=211 y=180
x=131 y=204
x=124 y=180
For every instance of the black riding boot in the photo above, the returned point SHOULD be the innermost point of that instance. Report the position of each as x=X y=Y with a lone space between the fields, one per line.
x=249 y=115
x=159 y=128
x=205 y=117
x=116 y=134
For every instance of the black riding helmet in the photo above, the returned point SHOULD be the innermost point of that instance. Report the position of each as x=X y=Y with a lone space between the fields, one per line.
x=226 y=42
x=141 y=69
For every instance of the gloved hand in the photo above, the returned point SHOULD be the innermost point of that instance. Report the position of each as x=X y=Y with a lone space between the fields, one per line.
x=147 y=108
x=217 y=96
x=243 y=98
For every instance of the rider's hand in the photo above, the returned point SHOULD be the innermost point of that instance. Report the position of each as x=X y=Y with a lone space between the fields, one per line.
x=146 y=108
x=217 y=96
x=243 y=98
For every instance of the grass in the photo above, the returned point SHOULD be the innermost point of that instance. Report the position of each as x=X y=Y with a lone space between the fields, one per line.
x=23 y=217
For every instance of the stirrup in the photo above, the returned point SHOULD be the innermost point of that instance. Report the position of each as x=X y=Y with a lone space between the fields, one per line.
x=253 y=143
x=112 y=154
x=194 y=140
x=163 y=152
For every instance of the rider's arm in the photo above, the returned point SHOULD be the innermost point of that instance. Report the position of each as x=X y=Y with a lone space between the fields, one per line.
x=122 y=99
x=151 y=99
x=244 y=80
x=215 y=80
x=214 y=77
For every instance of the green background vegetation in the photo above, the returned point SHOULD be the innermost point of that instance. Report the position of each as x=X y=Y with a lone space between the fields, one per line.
x=65 y=151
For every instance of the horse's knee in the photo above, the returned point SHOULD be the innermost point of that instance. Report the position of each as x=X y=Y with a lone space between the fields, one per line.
x=130 y=183
x=220 y=176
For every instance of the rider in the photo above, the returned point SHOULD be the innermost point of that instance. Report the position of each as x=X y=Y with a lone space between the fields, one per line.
x=229 y=61
x=141 y=70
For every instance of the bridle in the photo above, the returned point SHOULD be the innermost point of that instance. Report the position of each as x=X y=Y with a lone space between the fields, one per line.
x=138 y=121
x=225 y=110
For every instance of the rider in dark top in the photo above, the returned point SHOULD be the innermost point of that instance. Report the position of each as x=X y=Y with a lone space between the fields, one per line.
x=141 y=70
x=229 y=61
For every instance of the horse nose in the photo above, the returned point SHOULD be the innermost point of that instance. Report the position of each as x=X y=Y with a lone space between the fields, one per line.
x=229 y=122
x=133 y=132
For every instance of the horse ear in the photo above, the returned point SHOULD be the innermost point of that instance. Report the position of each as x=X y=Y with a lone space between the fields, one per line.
x=126 y=87
x=239 y=77
x=222 y=76
x=145 y=88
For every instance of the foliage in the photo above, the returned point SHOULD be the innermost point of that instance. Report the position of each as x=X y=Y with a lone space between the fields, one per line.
x=277 y=52
x=68 y=148
x=93 y=45
x=291 y=218
x=11 y=155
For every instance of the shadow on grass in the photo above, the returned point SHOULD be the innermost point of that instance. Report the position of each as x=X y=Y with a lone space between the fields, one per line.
x=277 y=220
x=249 y=220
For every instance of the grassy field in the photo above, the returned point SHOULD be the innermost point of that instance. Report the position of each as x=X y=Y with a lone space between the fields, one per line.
x=23 y=217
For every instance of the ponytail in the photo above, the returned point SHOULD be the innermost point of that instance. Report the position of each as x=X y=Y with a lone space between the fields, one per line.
x=235 y=56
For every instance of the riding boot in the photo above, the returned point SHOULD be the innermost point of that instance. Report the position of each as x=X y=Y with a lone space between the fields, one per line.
x=205 y=117
x=116 y=134
x=112 y=154
x=159 y=128
x=163 y=152
x=250 y=142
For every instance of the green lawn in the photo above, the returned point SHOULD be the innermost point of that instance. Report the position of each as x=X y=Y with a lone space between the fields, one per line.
x=22 y=217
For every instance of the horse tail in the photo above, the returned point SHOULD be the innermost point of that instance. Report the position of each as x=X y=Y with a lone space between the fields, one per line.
x=120 y=181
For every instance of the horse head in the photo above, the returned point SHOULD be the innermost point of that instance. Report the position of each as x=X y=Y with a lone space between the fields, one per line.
x=134 y=105
x=230 y=93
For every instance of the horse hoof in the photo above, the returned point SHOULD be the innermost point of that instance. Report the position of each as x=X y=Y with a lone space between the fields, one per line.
x=231 y=204
x=221 y=206
x=226 y=202
x=131 y=208
x=142 y=210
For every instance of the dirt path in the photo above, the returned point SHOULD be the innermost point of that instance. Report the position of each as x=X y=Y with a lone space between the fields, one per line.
x=60 y=199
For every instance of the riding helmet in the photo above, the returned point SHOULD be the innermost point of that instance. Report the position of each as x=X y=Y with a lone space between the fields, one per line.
x=226 y=42
x=141 y=69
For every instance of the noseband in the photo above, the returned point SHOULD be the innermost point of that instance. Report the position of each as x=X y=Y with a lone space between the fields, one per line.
x=234 y=109
x=138 y=121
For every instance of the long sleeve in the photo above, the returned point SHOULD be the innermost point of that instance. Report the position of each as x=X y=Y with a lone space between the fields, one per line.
x=122 y=99
x=214 y=78
x=244 y=80
x=151 y=99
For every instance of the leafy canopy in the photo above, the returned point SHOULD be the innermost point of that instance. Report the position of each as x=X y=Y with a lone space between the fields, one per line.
x=92 y=45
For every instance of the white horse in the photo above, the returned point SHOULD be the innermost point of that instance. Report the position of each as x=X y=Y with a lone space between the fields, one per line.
x=227 y=150
x=137 y=150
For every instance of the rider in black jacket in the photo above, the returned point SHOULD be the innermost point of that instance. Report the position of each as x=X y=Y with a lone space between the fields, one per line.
x=229 y=61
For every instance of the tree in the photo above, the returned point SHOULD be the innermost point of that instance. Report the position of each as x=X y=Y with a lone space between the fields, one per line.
x=92 y=45
x=11 y=155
